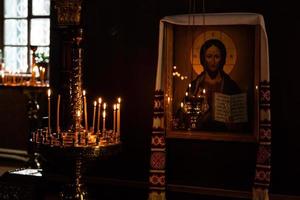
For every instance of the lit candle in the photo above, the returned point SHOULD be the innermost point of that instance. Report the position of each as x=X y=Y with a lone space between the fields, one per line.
x=49 y=112
x=57 y=114
x=99 y=113
x=42 y=74
x=118 y=115
x=104 y=115
x=169 y=99
x=32 y=74
x=115 y=107
x=94 y=115
x=35 y=70
x=85 y=111
x=204 y=96
x=78 y=125
x=181 y=104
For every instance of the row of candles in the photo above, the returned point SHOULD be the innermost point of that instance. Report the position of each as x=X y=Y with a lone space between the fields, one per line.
x=17 y=78
x=201 y=95
x=38 y=72
x=188 y=94
x=116 y=114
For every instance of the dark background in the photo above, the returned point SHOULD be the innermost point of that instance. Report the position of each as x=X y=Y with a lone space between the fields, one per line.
x=121 y=46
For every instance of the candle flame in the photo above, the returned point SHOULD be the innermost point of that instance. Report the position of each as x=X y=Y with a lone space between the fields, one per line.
x=49 y=92
x=78 y=113
x=119 y=99
x=118 y=106
x=104 y=114
x=204 y=91
x=100 y=100
x=186 y=94
x=181 y=104
x=83 y=92
x=104 y=106
x=115 y=107
x=95 y=103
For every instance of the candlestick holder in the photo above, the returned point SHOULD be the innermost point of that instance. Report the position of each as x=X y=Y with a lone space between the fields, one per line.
x=67 y=151
x=191 y=113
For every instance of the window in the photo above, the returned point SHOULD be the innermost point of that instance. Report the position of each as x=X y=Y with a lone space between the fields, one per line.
x=26 y=23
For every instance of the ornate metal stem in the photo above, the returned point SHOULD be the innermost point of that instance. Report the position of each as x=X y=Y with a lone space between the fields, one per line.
x=76 y=83
x=76 y=190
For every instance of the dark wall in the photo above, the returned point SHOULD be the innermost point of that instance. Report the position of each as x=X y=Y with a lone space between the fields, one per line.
x=283 y=31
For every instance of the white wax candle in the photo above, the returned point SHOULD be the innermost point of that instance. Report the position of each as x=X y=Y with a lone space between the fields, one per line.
x=57 y=114
x=49 y=111
x=99 y=114
x=119 y=115
x=85 y=111
x=104 y=115
x=114 y=125
x=204 y=95
x=94 y=115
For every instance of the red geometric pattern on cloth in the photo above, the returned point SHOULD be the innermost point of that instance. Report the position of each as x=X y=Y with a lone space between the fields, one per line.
x=158 y=141
x=158 y=122
x=158 y=160
x=263 y=175
x=265 y=95
x=263 y=159
x=263 y=155
x=157 y=180
x=265 y=133
x=158 y=104
x=156 y=194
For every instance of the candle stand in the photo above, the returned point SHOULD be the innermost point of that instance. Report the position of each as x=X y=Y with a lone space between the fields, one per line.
x=65 y=155
x=68 y=151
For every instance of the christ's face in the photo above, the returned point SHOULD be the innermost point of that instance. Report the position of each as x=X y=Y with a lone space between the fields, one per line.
x=213 y=58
